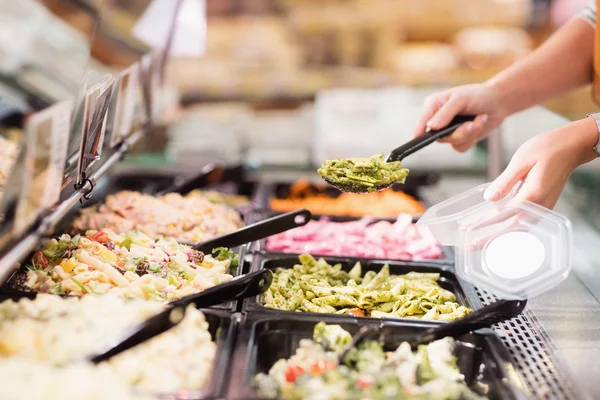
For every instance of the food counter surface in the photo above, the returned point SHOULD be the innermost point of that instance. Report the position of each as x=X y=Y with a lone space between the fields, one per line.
x=569 y=314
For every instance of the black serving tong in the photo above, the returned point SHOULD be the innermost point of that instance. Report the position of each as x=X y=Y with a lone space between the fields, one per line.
x=238 y=288
x=407 y=149
x=485 y=317
x=427 y=138
x=257 y=231
x=209 y=175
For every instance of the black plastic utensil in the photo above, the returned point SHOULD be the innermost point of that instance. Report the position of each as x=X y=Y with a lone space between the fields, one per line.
x=209 y=175
x=404 y=151
x=485 y=317
x=241 y=287
x=257 y=231
x=364 y=333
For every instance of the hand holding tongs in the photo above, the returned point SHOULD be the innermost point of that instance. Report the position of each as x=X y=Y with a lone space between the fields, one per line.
x=409 y=148
x=427 y=138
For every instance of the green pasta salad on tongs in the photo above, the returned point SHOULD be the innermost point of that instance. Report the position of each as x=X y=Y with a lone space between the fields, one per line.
x=369 y=372
x=362 y=175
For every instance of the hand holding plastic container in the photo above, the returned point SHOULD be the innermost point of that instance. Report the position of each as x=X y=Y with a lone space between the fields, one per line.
x=515 y=250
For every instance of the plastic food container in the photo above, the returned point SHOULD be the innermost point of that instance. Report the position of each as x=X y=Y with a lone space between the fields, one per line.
x=515 y=250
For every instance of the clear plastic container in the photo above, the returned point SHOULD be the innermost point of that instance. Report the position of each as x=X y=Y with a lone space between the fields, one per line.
x=515 y=250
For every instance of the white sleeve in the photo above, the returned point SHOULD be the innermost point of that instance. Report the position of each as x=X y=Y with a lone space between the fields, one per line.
x=589 y=14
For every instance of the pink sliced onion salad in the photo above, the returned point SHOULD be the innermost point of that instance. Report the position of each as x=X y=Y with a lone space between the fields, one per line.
x=401 y=240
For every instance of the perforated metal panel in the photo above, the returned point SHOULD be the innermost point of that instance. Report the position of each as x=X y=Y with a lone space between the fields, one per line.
x=541 y=372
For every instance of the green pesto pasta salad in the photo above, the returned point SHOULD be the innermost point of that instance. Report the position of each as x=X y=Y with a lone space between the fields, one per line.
x=316 y=286
x=313 y=372
x=130 y=264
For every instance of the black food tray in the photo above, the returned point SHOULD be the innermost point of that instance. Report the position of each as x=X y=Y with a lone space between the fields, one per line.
x=223 y=330
x=414 y=182
x=281 y=190
x=7 y=291
x=262 y=341
x=260 y=246
x=150 y=183
x=448 y=280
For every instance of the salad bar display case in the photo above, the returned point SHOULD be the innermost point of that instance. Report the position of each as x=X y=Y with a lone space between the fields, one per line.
x=260 y=339
x=108 y=289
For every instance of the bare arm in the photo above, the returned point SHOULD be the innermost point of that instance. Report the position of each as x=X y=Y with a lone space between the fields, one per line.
x=562 y=63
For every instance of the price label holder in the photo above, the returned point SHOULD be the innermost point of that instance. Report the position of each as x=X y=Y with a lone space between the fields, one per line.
x=12 y=160
x=46 y=138
x=150 y=85
x=11 y=192
x=77 y=123
x=140 y=106
x=123 y=105
x=97 y=101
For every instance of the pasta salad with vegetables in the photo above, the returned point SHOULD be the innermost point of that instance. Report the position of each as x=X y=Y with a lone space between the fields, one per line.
x=131 y=264
x=316 y=286
x=368 y=372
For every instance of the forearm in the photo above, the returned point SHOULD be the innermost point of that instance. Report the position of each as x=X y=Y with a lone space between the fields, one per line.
x=585 y=132
x=562 y=63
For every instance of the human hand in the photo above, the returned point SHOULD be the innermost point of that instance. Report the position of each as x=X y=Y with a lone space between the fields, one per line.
x=476 y=99
x=545 y=163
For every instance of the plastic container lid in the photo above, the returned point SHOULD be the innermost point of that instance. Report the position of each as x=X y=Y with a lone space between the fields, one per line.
x=515 y=250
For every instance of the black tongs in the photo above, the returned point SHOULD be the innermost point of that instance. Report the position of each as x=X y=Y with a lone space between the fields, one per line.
x=238 y=288
x=427 y=138
x=409 y=148
x=257 y=231
x=209 y=175
x=485 y=317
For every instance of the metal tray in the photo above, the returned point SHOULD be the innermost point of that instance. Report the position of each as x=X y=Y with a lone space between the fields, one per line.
x=448 y=280
x=8 y=292
x=262 y=341
x=260 y=246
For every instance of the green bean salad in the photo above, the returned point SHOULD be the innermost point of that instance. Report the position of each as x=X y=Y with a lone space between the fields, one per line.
x=316 y=286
